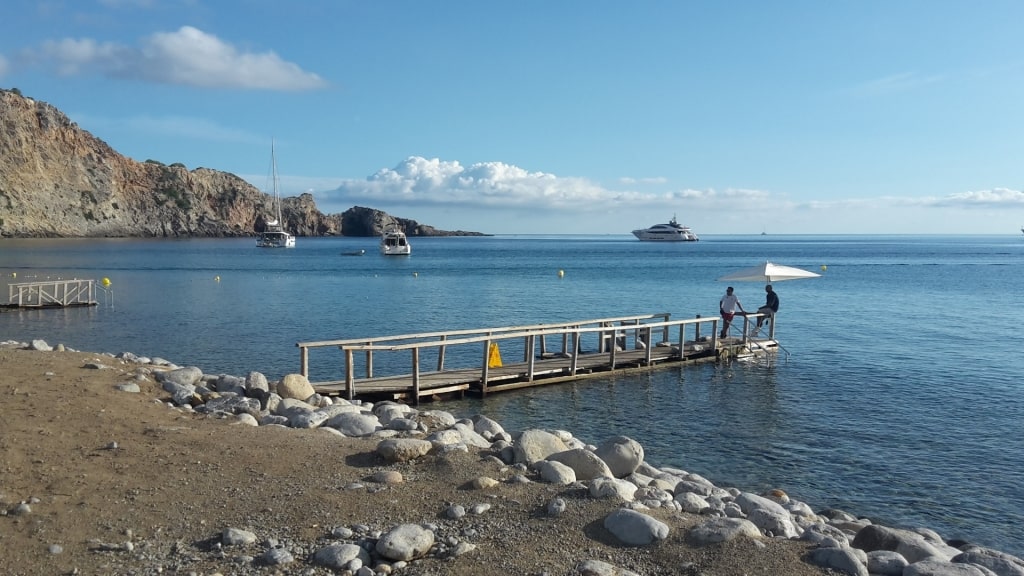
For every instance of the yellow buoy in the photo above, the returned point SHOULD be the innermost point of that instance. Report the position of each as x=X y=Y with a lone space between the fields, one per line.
x=561 y=273
x=415 y=274
x=14 y=274
x=823 y=267
x=216 y=278
x=106 y=281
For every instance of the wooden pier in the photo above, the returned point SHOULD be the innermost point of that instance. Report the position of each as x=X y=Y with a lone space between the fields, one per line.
x=478 y=361
x=52 y=294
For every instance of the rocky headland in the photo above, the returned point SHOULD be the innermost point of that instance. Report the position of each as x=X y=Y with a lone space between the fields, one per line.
x=58 y=180
x=121 y=464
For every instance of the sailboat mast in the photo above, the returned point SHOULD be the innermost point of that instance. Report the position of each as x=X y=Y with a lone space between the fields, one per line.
x=277 y=194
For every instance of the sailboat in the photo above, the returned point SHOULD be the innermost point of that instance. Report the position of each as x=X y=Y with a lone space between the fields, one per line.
x=274 y=235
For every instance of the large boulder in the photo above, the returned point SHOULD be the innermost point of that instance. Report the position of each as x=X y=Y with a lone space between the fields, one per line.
x=403 y=449
x=295 y=386
x=634 y=528
x=622 y=455
x=585 y=463
x=535 y=445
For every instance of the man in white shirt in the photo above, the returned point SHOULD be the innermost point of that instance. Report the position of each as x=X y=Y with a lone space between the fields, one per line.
x=727 y=308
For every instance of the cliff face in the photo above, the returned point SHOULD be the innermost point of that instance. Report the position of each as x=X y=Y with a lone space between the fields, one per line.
x=58 y=180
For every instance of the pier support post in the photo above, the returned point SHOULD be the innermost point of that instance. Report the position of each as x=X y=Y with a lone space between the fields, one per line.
x=369 y=362
x=531 y=357
x=486 y=369
x=350 y=377
x=575 y=353
x=416 y=376
x=440 y=353
x=304 y=361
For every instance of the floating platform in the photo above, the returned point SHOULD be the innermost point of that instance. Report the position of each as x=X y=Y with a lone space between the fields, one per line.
x=52 y=294
x=471 y=361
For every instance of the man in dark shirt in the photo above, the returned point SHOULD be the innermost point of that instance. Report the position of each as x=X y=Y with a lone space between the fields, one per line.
x=771 y=306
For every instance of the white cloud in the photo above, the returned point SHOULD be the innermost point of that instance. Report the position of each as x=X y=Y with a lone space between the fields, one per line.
x=627 y=180
x=418 y=181
x=187 y=57
x=998 y=197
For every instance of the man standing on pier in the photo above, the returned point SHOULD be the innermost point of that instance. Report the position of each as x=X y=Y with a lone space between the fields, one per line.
x=727 y=308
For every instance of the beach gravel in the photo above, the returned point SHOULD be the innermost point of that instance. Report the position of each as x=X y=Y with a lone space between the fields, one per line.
x=96 y=480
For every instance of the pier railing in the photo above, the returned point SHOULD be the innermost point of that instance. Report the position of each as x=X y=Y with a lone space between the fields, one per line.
x=73 y=292
x=644 y=339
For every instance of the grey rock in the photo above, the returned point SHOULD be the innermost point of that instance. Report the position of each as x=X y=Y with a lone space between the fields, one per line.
x=842 y=559
x=555 y=472
x=623 y=455
x=276 y=557
x=634 y=528
x=231 y=405
x=692 y=503
x=405 y=542
x=535 y=445
x=585 y=463
x=600 y=568
x=1000 y=563
x=767 y=515
x=353 y=424
x=612 y=488
x=556 y=507
x=227 y=384
x=295 y=386
x=256 y=385
x=403 y=449
x=886 y=563
x=938 y=567
x=237 y=537
x=337 y=556
x=722 y=530
x=188 y=376
x=487 y=427
x=40 y=345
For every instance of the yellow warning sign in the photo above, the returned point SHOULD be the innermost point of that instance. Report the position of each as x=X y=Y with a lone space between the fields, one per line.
x=494 y=356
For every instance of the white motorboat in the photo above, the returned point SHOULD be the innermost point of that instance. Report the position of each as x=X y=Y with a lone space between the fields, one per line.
x=394 y=243
x=274 y=235
x=671 y=232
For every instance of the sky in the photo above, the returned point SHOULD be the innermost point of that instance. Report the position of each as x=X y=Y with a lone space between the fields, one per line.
x=561 y=116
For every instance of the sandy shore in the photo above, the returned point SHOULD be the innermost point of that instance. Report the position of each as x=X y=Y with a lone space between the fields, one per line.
x=101 y=481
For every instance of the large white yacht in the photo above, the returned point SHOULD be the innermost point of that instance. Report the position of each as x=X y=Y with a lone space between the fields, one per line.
x=671 y=232
x=394 y=243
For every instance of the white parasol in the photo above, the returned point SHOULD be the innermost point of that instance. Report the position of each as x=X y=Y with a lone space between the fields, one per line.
x=768 y=273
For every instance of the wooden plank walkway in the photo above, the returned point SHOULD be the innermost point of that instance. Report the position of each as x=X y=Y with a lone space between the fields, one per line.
x=621 y=345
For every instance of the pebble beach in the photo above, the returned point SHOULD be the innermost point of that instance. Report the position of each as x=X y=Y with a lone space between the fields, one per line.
x=125 y=464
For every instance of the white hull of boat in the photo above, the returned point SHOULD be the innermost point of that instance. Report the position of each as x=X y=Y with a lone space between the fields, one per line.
x=671 y=232
x=395 y=243
x=275 y=240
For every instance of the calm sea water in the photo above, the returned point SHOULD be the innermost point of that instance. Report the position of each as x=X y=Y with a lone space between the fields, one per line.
x=900 y=397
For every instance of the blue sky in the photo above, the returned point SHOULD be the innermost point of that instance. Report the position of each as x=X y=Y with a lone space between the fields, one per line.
x=548 y=117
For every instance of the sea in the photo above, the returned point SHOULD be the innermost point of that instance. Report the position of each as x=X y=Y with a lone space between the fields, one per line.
x=898 y=394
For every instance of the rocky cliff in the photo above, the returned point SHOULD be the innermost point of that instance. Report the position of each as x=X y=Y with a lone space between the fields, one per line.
x=58 y=180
